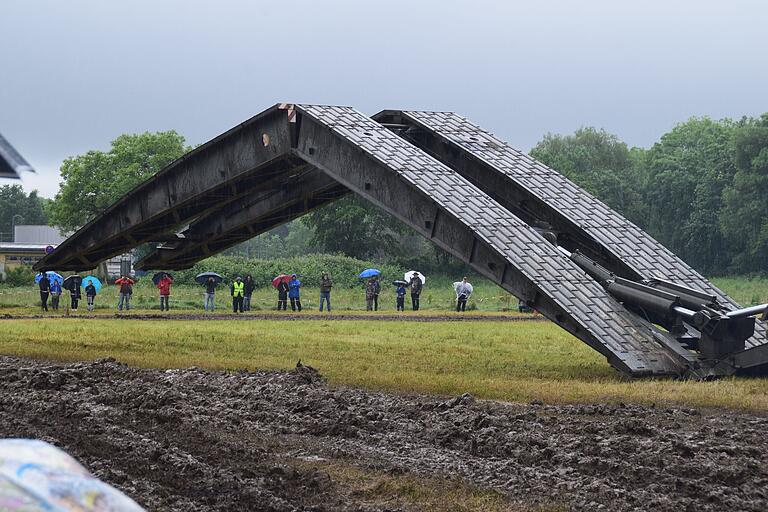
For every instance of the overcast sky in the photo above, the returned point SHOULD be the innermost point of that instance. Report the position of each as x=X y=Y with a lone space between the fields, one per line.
x=75 y=74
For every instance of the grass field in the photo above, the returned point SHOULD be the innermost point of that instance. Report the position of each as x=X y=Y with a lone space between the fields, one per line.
x=514 y=361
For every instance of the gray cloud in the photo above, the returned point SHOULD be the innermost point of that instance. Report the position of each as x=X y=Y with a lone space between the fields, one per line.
x=76 y=74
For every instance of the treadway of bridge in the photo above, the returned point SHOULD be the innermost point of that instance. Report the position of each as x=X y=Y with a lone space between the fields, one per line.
x=448 y=179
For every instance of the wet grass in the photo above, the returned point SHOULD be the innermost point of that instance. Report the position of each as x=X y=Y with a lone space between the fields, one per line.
x=512 y=361
x=420 y=493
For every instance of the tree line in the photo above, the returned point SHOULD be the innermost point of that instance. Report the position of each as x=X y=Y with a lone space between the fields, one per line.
x=700 y=190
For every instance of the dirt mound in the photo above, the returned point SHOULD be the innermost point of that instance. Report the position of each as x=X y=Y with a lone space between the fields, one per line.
x=197 y=440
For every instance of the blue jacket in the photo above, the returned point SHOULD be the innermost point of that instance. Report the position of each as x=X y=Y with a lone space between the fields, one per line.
x=293 y=289
x=55 y=287
x=401 y=291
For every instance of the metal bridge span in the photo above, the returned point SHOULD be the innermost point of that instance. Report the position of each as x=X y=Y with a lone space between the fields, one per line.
x=467 y=191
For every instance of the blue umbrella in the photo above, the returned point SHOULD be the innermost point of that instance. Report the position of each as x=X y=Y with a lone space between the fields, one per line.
x=94 y=280
x=370 y=272
x=51 y=275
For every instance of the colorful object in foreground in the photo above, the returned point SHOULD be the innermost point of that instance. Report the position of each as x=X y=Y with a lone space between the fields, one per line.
x=36 y=476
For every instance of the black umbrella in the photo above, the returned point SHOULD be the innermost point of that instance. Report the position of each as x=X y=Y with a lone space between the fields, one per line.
x=203 y=277
x=399 y=282
x=159 y=275
x=72 y=282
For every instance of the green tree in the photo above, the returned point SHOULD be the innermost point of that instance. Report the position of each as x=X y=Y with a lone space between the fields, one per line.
x=16 y=207
x=598 y=162
x=744 y=216
x=354 y=227
x=686 y=174
x=97 y=179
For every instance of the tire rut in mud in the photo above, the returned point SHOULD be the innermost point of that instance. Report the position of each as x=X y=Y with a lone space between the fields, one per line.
x=197 y=440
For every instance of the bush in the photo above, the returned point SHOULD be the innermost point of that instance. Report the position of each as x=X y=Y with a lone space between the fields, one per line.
x=20 y=276
x=342 y=269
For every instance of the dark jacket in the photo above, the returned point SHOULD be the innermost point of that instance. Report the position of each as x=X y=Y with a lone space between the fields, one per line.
x=249 y=286
x=75 y=292
x=282 y=290
x=210 y=287
x=45 y=284
x=415 y=285
x=90 y=290
x=376 y=287
x=325 y=285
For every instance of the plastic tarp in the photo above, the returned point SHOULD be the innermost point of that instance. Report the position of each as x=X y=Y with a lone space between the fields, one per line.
x=36 y=476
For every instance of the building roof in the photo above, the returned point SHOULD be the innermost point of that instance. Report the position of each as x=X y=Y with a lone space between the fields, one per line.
x=37 y=234
x=11 y=247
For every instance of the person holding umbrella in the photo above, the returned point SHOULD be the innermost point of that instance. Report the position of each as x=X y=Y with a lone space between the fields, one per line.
x=72 y=283
x=370 y=294
x=281 y=283
x=325 y=290
x=55 y=294
x=416 y=284
x=163 y=282
x=463 y=291
x=294 y=293
x=45 y=287
x=400 y=294
x=238 y=294
x=210 y=294
x=126 y=291
x=90 y=294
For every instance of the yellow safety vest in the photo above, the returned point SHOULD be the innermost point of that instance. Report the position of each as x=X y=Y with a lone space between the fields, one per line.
x=239 y=289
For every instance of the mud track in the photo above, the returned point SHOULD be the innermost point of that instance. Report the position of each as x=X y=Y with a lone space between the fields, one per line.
x=197 y=440
x=404 y=317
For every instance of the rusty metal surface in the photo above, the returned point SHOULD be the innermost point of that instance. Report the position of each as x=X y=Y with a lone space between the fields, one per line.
x=628 y=243
x=624 y=335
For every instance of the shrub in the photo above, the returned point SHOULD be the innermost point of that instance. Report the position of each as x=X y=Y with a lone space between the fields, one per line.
x=20 y=276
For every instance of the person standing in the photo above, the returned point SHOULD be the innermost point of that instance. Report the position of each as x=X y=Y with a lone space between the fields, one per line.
x=325 y=290
x=74 y=294
x=400 y=297
x=126 y=291
x=463 y=291
x=376 y=292
x=55 y=294
x=164 y=285
x=90 y=295
x=370 y=293
x=250 y=286
x=238 y=294
x=294 y=293
x=210 y=294
x=45 y=288
x=282 y=295
x=416 y=285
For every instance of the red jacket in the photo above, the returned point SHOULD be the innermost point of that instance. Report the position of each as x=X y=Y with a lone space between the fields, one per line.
x=126 y=285
x=165 y=285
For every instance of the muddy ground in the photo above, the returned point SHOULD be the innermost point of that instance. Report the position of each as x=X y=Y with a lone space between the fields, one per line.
x=195 y=440
x=404 y=317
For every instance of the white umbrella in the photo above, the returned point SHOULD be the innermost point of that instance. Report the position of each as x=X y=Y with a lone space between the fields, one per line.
x=409 y=276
